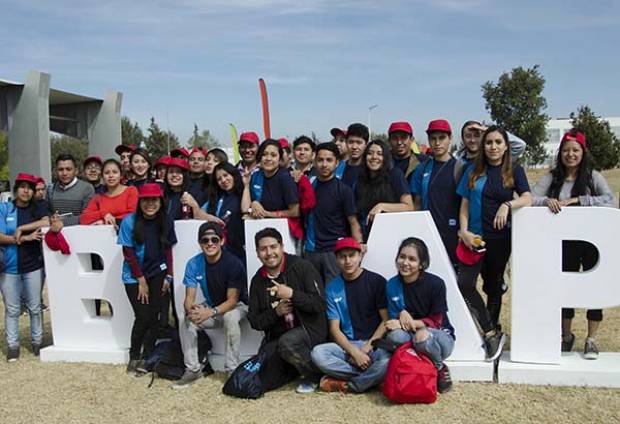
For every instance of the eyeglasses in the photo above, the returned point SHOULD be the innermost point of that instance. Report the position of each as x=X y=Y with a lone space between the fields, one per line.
x=210 y=240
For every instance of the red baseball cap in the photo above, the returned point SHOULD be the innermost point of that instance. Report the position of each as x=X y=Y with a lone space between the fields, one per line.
x=122 y=148
x=150 y=190
x=93 y=159
x=284 y=144
x=163 y=161
x=466 y=255
x=181 y=151
x=178 y=162
x=40 y=180
x=335 y=132
x=56 y=241
x=250 y=137
x=198 y=150
x=400 y=126
x=32 y=179
x=574 y=135
x=439 y=125
x=347 y=243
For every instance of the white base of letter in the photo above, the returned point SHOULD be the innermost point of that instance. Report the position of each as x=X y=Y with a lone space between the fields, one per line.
x=573 y=370
x=99 y=356
x=471 y=370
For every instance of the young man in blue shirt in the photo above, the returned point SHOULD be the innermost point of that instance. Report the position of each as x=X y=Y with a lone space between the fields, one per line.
x=221 y=277
x=356 y=311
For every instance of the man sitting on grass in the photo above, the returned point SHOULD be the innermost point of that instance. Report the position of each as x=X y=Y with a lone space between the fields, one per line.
x=357 y=311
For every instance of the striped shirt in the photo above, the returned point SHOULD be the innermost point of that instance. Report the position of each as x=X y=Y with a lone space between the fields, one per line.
x=72 y=198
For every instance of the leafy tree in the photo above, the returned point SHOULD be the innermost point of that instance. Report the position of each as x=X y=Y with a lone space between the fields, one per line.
x=131 y=133
x=516 y=104
x=379 y=136
x=158 y=142
x=4 y=156
x=604 y=146
x=203 y=139
x=65 y=144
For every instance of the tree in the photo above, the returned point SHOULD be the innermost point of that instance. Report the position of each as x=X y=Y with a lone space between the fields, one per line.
x=65 y=144
x=4 y=156
x=601 y=141
x=202 y=139
x=131 y=133
x=159 y=143
x=379 y=136
x=516 y=104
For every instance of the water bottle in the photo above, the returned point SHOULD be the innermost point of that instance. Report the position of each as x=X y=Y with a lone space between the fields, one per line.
x=186 y=212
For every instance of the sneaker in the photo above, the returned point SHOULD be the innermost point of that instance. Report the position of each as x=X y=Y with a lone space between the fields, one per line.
x=494 y=345
x=444 y=380
x=12 y=354
x=306 y=386
x=188 y=378
x=36 y=349
x=590 y=351
x=329 y=384
x=567 y=345
x=141 y=368
x=131 y=366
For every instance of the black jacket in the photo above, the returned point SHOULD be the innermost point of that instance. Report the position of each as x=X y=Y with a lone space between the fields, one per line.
x=308 y=301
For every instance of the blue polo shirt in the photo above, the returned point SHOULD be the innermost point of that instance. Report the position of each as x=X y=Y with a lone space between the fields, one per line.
x=487 y=196
x=228 y=208
x=215 y=279
x=151 y=253
x=422 y=298
x=434 y=182
x=328 y=221
x=356 y=304
x=275 y=193
x=26 y=257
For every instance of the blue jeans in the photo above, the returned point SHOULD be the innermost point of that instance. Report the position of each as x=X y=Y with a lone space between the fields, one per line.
x=332 y=360
x=14 y=287
x=437 y=347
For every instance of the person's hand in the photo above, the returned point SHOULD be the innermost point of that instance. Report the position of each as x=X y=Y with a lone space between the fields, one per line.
x=281 y=291
x=284 y=307
x=245 y=177
x=165 y=287
x=143 y=291
x=554 y=205
x=407 y=322
x=571 y=201
x=392 y=324
x=421 y=334
x=360 y=359
x=188 y=307
x=18 y=235
x=200 y=313
x=501 y=217
x=109 y=219
x=258 y=211
x=213 y=218
x=188 y=199
x=56 y=223
x=36 y=235
x=377 y=209
x=367 y=347
x=468 y=238
x=99 y=222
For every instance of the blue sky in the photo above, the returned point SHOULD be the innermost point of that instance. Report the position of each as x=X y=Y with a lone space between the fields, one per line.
x=325 y=62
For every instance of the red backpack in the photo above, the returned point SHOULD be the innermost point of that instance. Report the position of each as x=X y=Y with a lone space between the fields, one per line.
x=410 y=377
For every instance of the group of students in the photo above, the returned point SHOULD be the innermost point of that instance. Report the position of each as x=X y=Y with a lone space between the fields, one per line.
x=330 y=194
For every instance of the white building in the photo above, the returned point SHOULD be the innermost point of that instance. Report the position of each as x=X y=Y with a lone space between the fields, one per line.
x=557 y=127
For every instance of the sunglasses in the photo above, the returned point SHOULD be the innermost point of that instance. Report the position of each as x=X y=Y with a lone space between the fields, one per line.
x=207 y=240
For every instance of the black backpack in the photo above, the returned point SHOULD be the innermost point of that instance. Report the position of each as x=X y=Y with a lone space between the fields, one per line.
x=166 y=360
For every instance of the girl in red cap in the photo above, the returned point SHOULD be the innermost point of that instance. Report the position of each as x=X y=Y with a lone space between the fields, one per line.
x=21 y=264
x=147 y=237
x=573 y=182
x=488 y=190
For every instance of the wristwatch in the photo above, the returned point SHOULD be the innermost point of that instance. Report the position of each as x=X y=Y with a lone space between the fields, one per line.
x=216 y=312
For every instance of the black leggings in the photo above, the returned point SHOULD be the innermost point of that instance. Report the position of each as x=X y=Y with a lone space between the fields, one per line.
x=143 y=332
x=575 y=255
x=493 y=265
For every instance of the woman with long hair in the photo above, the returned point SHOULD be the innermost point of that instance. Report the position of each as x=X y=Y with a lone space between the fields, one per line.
x=471 y=136
x=226 y=207
x=418 y=308
x=22 y=273
x=112 y=205
x=380 y=186
x=147 y=237
x=140 y=165
x=573 y=182
x=488 y=190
